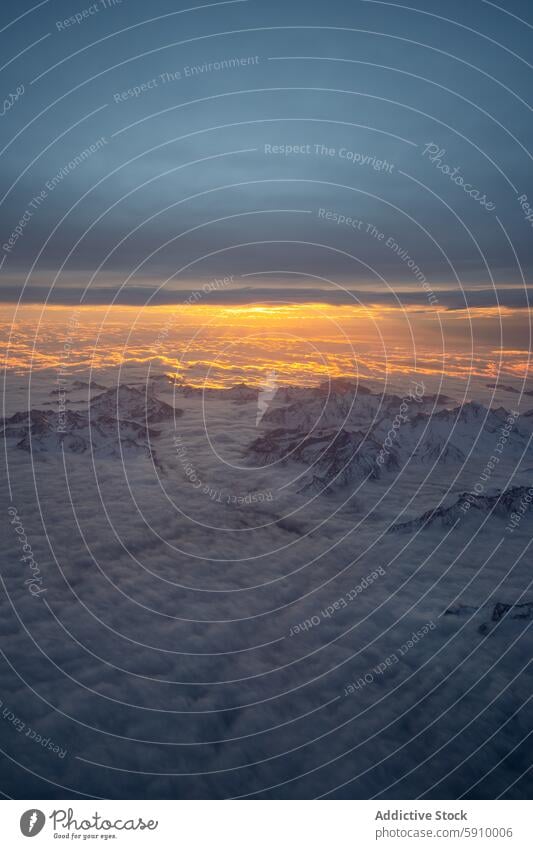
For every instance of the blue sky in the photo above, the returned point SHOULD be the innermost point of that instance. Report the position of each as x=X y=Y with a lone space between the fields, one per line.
x=183 y=186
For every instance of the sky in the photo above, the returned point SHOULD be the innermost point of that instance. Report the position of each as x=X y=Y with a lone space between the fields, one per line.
x=331 y=203
x=301 y=147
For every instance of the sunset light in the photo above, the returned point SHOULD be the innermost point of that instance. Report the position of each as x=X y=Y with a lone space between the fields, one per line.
x=266 y=286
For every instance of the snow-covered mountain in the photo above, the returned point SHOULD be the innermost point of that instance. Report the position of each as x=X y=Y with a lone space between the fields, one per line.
x=45 y=431
x=84 y=384
x=272 y=573
x=116 y=423
x=501 y=505
x=346 y=436
x=239 y=392
x=336 y=458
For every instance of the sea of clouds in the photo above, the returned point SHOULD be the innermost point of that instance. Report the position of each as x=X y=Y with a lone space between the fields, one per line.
x=189 y=644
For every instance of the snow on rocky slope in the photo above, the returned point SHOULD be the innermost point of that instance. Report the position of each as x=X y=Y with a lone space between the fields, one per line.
x=117 y=422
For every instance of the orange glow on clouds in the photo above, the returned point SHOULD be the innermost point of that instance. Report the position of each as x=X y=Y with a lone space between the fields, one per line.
x=304 y=344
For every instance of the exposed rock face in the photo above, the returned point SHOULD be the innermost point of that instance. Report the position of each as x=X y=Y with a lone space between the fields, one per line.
x=350 y=458
x=83 y=384
x=501 y=505
x=345 y=433
x=522 y=611
x=125 y=402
